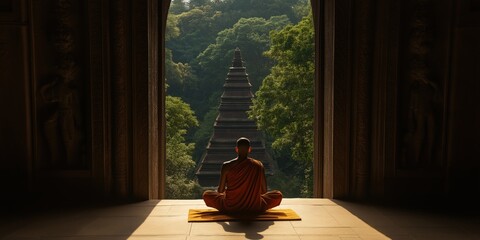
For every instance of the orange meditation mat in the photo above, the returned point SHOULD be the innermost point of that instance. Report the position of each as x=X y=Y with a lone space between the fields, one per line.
x=212 y=215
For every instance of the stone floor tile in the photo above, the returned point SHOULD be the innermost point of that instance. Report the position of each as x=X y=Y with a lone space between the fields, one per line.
x=118 y=237
x=312 y=221
x=345 y=218
x=162 y=237
x=374 y=237
x=370 y=215
x=282 y=237
x=181 y=209
x=110 y=226
x=218 y=237
x=124 y=211
x=400 y=237
x=51 y=226
x=177 y=202
x=316 y=237
x=89 y=237
x=307 y=201
x=349 y=237
x=350 y=221
x=309 y=210
x=163 y=226
x=160 y=211
x=441 y=233
x=258 y=236
x=366 y=231
x=211 y=228
x=324 y=231
x=167 y=219
x=243 y=228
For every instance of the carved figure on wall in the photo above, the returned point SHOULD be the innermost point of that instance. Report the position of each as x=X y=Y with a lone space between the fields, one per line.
x=420 y=135
x=418 y=150
x=63 y=125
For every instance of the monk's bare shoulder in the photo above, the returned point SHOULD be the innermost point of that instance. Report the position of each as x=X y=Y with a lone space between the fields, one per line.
x=227 y=164
x=229 y=161
x=257 y=162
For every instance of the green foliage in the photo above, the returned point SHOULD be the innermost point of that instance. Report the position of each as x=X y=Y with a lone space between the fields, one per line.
x=301 y=9
x=287 y=184
x=179 y=167
x=283 y=106
x=177 y=7
x=179 y=117
x=204 y=132
x=176 y=74
x=251 y=35
x=198 y=28
x=237 y=9
x=198 y=3
x=172 y=31
x=200 y=38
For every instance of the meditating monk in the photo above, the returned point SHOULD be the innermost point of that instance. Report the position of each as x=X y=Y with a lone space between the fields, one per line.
x=243 y=186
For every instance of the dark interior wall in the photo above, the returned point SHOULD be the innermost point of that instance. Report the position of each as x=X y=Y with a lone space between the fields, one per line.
x=400 y=80
x=60 y=93
x=45 y=136
x=417 y=164
x=82 y=107
x=15 y=102
x=431 y=149
x=78 y=99
x=464 y=109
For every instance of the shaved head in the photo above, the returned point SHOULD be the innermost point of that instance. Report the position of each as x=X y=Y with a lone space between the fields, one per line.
x=243 y=142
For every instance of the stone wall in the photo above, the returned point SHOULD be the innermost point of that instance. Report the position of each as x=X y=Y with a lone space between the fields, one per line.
x=396 y=87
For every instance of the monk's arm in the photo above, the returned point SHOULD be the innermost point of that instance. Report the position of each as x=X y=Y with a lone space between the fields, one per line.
x=264 y=182
x=223 y=179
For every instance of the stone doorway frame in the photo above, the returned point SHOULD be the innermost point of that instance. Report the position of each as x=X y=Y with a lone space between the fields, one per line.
x=324 y=24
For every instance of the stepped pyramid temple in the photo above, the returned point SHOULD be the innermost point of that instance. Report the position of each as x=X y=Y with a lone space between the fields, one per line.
x=232 y=122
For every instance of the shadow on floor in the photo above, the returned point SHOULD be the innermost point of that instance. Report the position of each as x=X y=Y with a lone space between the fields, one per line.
x=415 y=223
x=119 y=220
x=251 y=229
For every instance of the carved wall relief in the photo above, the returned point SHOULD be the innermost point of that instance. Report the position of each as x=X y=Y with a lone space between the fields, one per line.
x=420 y=95
x=62 y=121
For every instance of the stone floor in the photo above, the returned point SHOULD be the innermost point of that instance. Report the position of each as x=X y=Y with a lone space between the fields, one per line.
x=167 y=219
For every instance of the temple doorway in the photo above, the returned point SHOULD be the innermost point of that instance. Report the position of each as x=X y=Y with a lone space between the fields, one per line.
x=205 y=113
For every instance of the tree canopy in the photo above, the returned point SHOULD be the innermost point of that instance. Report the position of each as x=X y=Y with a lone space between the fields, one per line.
x=277 y=48
x=180 y=165
x=249 y=34
x=283 y=105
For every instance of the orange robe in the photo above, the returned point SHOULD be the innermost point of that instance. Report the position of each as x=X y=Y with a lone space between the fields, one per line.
x=244 y=190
